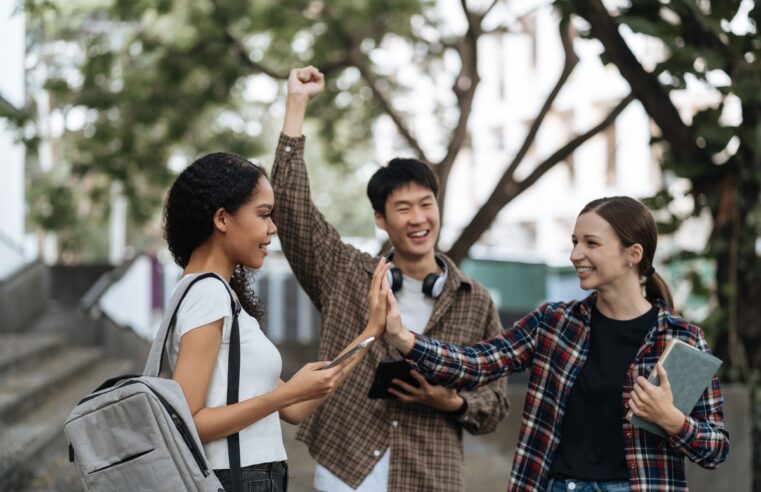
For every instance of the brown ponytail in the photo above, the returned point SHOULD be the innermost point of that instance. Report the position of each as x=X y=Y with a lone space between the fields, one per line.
x=657 y=288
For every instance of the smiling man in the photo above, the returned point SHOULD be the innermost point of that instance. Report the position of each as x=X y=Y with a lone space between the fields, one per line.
x=414 y=442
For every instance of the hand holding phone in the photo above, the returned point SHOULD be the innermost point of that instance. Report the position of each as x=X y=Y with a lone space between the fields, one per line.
x=356 y=349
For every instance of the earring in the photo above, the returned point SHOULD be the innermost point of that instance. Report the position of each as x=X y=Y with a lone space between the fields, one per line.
x=629 y=265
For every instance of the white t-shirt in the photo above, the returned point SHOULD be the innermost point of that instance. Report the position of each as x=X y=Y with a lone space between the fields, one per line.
x=415 y=309
x=260 y=366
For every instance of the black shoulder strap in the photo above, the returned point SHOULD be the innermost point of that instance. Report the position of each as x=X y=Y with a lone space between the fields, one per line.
x=233 y=380
x=173 y=320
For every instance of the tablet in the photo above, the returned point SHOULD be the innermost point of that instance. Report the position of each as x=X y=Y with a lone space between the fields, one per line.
x=360 y=346
x=386 y=371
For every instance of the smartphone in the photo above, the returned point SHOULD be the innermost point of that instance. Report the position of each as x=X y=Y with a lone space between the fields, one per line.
x=360 y=346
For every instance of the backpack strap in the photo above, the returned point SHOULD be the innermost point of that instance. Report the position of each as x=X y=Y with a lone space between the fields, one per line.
x=158 y=348
x=233 y=380
x=156 y=358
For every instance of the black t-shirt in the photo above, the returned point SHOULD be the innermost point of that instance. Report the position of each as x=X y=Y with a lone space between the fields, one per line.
x=591 y=440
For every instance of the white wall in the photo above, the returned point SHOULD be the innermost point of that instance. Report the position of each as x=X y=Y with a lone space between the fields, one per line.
x=11 y=153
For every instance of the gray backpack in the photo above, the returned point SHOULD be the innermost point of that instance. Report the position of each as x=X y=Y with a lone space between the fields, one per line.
x=136 y=433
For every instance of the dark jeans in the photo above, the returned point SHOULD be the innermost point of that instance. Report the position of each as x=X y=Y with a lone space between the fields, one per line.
x=570 y=485
x=264 y=477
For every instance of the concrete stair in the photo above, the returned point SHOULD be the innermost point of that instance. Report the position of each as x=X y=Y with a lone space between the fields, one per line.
x=41 y=379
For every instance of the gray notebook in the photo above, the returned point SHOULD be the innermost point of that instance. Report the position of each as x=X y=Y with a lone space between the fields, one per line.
x=689 y=371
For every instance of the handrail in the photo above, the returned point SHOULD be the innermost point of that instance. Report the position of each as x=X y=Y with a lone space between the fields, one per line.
x=5 y=239
x=99 y=288
x=9 y=107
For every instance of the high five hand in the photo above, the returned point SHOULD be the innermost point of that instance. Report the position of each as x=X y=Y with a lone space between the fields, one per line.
x=376 y=323
x=397 y=334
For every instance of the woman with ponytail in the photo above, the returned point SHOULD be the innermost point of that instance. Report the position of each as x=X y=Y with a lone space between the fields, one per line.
x=218 y=218
x=588 y=361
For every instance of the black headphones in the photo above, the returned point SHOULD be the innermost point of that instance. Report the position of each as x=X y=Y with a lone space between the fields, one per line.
x=433 y=283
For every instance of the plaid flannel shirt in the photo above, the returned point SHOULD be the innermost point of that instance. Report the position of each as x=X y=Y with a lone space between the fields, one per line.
x=552 y=342
x=349 y=432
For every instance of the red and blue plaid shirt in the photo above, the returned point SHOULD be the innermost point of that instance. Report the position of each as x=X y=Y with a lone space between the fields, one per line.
x=552 y=343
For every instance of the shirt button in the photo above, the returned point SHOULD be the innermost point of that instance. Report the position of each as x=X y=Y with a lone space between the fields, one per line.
x=571 y=486
x=395 y=423
x=376 y=453
x=288 y=148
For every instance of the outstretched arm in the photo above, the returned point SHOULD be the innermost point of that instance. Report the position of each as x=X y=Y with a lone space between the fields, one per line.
x=466 y=367
x=478 y=411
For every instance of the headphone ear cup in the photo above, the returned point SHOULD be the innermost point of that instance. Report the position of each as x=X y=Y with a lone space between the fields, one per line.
x=429 y=285
x=438 y=286
x=394 y=277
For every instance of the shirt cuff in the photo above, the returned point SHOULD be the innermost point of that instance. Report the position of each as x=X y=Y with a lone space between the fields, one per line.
x=686 y=434
x=289 y=145
x=462 y=413
x=417 y=351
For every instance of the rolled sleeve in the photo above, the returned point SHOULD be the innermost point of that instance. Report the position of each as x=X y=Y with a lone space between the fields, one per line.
x=686 y=434
x=486 y=408
x=703 y=438
x=286 y=145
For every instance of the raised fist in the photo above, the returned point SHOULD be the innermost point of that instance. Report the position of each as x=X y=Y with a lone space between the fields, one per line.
x=307 y=81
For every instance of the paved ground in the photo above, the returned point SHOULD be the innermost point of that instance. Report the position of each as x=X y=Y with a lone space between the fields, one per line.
x=488 y=458
x=487 y=462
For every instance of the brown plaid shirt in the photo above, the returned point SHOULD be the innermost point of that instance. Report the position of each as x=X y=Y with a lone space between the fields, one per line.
x=349 y=432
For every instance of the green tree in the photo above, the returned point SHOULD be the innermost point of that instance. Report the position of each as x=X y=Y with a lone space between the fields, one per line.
x=143 y=83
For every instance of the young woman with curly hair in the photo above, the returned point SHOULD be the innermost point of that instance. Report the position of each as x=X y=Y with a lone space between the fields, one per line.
x=217 y=219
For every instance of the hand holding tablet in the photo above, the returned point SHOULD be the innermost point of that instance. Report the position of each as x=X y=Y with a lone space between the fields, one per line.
x=387 y=371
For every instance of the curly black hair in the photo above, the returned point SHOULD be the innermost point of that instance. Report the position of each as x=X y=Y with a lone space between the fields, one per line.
x=214 y=181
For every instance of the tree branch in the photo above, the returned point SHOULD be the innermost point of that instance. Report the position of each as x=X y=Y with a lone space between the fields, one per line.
x=464 y=5
x=243 y=55
x=644 y=85
x=573 y=144
x=356 y=58
x=502 y=195
x=486 y=12
x=571 y=60
x=239 y=48
x=464 y=87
